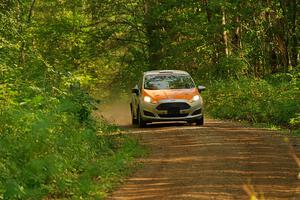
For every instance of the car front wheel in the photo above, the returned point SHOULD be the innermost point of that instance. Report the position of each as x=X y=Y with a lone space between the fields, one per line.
x=200 y=121
x=141 y=122
x=133 y=120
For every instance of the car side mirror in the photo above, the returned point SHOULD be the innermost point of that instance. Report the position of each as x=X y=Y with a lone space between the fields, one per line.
x=135 y=90
x=201 y=88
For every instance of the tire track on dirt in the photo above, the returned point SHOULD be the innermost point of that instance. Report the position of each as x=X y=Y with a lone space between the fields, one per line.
x=212 y=162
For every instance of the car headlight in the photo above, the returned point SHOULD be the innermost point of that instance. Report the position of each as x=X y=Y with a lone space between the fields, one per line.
x=147 y=99
x=196 y=98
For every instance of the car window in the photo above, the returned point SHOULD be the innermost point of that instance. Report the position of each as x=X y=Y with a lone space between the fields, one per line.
x=169 y=81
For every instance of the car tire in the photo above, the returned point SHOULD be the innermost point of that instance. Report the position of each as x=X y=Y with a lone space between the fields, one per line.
x=141 y=122
x=133 y=120
x=200 y=122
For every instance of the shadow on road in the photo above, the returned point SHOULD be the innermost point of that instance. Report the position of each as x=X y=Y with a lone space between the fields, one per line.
x=214 y=161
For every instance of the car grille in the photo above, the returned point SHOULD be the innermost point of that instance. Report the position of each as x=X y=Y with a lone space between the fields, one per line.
x=172 y=115
x=173 y=106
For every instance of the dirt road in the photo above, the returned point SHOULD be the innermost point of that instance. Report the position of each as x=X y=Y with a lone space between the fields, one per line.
x=212 y=162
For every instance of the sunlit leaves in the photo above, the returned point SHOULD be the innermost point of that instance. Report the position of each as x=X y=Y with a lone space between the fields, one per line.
x=273 y=101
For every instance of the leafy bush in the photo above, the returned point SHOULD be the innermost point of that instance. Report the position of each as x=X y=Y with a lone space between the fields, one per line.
x=295 y=122
x=274 y=100
x=230 y=67
x=51 y=148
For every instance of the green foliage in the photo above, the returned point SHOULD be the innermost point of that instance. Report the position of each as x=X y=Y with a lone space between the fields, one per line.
x=50 y=147
x=295 y=122
x=50 y=153
x=274 y=101
x=53 y=54
x=230 y=68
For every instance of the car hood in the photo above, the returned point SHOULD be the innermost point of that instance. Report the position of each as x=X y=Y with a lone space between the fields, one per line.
x=158 y=95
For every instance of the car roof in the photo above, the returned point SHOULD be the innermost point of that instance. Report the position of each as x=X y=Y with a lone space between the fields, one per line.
x=157 y=72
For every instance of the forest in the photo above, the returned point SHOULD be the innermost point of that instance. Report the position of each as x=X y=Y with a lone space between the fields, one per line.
x=60 y=58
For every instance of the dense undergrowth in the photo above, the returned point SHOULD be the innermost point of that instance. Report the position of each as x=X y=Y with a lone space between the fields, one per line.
x=273 y=100
x=51 y=148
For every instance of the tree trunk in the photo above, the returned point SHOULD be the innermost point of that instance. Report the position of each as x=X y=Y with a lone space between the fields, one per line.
x=294 y=42
x=283 y=35
x=208 y=11
x=270 y=53
x=152 y=25
x=225 y=34
x=236 y=40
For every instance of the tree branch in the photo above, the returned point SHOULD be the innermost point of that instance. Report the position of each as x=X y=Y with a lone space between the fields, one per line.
x=30 y=11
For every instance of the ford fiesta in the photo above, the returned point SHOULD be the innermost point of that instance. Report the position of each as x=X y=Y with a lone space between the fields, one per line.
x=167 y=95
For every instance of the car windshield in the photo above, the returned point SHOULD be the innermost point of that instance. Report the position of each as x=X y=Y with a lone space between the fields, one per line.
x=168 y=81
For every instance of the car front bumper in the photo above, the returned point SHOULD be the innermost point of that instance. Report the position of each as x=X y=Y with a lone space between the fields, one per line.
x=191 y=111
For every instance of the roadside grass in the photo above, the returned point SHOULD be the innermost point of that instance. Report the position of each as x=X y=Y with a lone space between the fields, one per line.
x=111 y=170
x=54 y=149
x=272 y=127
x=270 y=103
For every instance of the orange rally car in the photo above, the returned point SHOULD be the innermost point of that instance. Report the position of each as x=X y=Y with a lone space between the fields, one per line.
x=166 y=95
